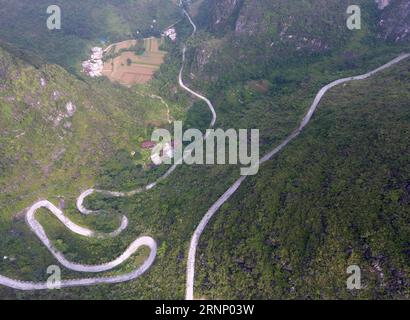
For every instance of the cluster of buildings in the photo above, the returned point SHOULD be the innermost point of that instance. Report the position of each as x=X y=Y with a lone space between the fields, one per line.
x=94 y=66
x=171 y=33
x=166 y=151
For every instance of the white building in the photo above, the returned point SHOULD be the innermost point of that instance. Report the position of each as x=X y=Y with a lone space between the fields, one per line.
x=171 y=33
x=95 y=65
x=167 y=151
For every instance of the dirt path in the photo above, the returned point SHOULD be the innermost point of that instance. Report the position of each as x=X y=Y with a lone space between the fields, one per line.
x=154 y=96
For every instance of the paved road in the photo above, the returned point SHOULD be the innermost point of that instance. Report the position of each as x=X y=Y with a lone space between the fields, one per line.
x=196 y=94
x=144 y=241
x=36 y=227
x=147 y=241
x=225 y=197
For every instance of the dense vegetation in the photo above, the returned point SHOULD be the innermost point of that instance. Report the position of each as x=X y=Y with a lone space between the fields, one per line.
x=55 y=132
x=339 y=195
x=291 y=231
x=84 y=23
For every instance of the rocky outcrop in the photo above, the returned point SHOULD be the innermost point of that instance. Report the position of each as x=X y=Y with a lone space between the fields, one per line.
x=383 y=3
x=280 y=20
x=306 y=20
x=240 y=16
x=395 y=20
x=274 y=29
x=250 y=19
x=223 y=14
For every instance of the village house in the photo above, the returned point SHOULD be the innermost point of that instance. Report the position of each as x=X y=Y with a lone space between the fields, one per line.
x=167 y=151
x=94 y=66
x=171 y=33
x=148 y=145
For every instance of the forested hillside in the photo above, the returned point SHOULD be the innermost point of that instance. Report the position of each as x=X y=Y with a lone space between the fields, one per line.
x=55 y=131
x=338 y=195
x=251 y=39
x=83 y=24
x=329 y=200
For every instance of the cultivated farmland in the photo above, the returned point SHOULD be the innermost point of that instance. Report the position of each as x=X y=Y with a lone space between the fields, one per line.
x=133 y=61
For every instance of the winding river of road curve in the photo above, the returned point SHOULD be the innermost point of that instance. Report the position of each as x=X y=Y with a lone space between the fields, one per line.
x=148 y=241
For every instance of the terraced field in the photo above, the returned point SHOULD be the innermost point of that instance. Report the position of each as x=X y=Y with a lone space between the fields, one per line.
x=129 y=68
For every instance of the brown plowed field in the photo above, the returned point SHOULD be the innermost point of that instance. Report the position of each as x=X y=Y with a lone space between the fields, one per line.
x=142 y=68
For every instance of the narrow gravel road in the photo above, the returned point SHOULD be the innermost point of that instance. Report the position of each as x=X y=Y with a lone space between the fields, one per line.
x=226 y=196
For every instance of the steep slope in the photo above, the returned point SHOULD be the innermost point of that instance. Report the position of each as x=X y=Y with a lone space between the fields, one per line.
x=337 y=196
x=55 y=133
x=395 y=20
x=287 y=239
x=83 y=24
x=287 y=17
x=266 y=243
x=286 y=21
x=262 y=34
x=55 y=129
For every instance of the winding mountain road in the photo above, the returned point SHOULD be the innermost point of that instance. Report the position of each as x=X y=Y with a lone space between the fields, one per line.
x=189 y=295
x=39 y=231
x=36 y=227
